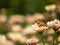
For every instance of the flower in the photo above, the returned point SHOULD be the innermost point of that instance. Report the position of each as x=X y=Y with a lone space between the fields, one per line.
x=50 y=32
x=8 y=42
x=16 y=28
x=13 y=36
x=15 y=19
x=54 y=24
x=40 y=27
x=49 y=38
x=30 y=19
x=29 y=31
x=22 y=39
x=39 y=16
x=3 y=19
x=2 y=39
x=32 y=41
x=50 y=7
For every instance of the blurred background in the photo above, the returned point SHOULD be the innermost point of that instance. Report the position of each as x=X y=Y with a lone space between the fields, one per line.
x=17 y=16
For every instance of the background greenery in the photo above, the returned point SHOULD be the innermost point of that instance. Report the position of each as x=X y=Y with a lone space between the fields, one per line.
x=25 y=6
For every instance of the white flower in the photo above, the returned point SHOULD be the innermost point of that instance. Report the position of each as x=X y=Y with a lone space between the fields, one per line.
x=16 y=28
x=32 y=41
x=50 y=7
x=29 y=31
x=35 y=27
x=2 y=39
x=14 y=36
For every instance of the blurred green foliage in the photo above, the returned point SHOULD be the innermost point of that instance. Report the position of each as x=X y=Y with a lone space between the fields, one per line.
x=25 y=6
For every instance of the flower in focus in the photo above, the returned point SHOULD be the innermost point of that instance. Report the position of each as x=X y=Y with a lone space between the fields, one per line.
x=40 y=27
x=54 y=24
x=28 y=31
x=32 y=41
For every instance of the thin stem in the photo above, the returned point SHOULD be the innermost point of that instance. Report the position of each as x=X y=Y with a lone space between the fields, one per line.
x=42 y=39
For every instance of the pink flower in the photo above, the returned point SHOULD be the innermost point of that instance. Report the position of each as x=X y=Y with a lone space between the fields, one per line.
x=32 y=41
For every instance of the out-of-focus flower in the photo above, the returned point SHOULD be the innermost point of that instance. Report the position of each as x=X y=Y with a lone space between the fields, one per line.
x=16 y=28
x=14 y=36
x=15 y=19
x=58 y=30
x=32 y=41
x=50 y=32
x=8 y=42
x=2 y=39
x=30 y=19
x=49 y=39
x=50 y=7
x=22 y=39
x=3 y=19
x=28 y=31
x=58 y=38
x=58 y=43
x=39 y=16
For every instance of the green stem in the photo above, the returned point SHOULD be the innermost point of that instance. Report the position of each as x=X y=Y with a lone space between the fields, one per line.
x=42 y=39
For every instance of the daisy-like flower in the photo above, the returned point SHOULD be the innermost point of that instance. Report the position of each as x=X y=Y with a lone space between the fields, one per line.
x=2 y=39
x=32 y=41
x=16 y=28
x=40 y=27
x=3 y=19
x=14 y=36
x=39 y=16
x=30 y=19
x=54 y=24
x=15 y=19
x=29 y=31
x=50 y=7
x=8 y=42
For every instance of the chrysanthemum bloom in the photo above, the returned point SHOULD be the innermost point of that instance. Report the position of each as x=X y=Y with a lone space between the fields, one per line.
x=30 y=19
x=50 y=32
x=50 y=7
x=8 y=42
x=29 y=31
x=49 y=39
x=14 y=36
x=54 y=24
x=16 y=28
x=15 y=19
x=2 y=39
x=3 y=19
x=22 y=39
x=40 y=27
x=32 y=41
x=14 y=23
x=39 y=16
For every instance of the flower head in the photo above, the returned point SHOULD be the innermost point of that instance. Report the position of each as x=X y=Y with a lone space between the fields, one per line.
x=32 y=41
